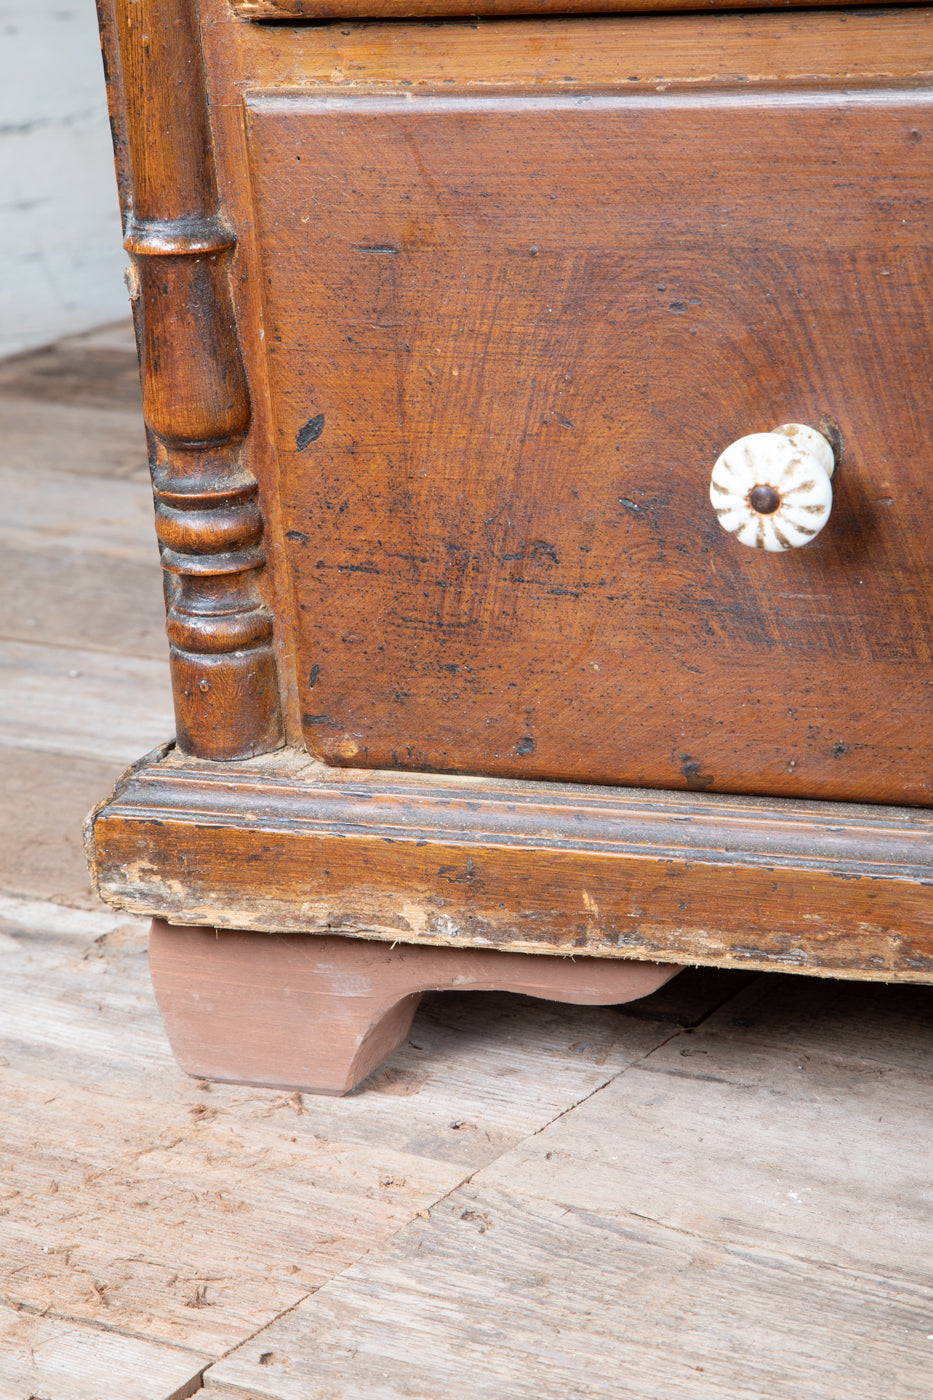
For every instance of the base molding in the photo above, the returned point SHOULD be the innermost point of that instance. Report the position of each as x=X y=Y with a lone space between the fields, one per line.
x=283 y=844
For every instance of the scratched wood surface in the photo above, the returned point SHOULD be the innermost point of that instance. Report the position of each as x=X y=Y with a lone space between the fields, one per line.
x=466 y=1196
x=83 y=679
x=339 y=489
x=729 y=1217
x=508 y=563
x=150 y=1223
x=404 y=9
x=281 y=842
x=504 y=541
x=190 y=1214
x=528 y=522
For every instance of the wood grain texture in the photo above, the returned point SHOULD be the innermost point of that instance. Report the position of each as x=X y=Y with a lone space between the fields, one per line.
x=188 y=1208
x=46 y=797
x=79 y=371
x=52 y=510
x=425 y=9
x=469 y=263
x=49 y=1358
x=863 y=1023
x=283 y=845
x=503 y=553
x=655 y=56
x=138 y=1201
x=74 y=408
x=780 y=1189
x=73 y=600
x=531 y=1298
x=723 y=1220
x=636 y=52
x=81 y=703
x=195 y=396
x=68 y=437
x=321 y=1016
x=78 y=594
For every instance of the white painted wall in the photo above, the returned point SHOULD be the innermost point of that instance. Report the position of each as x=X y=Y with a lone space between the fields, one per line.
x=61 y=263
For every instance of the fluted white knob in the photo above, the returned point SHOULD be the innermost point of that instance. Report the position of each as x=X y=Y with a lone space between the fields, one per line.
x=773 y=490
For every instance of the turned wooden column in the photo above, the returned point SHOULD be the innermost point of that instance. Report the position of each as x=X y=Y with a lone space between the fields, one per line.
x=195 y=396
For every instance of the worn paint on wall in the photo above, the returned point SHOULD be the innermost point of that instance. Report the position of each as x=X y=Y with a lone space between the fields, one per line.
x=61 y=261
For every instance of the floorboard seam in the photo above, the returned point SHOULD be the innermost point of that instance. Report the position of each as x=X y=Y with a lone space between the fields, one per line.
x=189 y=1388
x=458 y=1186
x=95 y=1324
x=619 y=1073
x=840 y=1059
x=759 y=1255
x=25 y=641
x=730 y=996
x=635 y=1064
x=263 y=1326
x=438 y=1201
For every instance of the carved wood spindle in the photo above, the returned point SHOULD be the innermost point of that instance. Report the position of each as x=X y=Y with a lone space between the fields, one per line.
x=195 y=396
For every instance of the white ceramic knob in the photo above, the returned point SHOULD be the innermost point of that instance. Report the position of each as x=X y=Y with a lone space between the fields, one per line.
x=773 y=490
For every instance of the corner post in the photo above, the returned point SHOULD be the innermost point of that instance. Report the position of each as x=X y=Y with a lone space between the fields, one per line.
x=195 y=396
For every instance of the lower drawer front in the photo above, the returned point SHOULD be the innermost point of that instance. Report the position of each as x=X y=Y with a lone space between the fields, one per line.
x=509 y=334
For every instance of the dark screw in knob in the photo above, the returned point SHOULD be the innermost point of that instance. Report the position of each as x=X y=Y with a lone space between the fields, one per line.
x=764 y=499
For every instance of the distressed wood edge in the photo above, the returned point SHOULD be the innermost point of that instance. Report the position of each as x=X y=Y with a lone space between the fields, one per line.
x=293 y=847
x=147 y=760
x=294 y=791
x=305 y=10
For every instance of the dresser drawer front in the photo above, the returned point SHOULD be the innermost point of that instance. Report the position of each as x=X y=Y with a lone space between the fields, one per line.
x=508 y=337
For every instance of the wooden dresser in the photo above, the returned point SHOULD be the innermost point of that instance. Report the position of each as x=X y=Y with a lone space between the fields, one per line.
x=444 y=326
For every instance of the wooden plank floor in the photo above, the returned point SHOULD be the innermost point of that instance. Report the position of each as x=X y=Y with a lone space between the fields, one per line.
x=720 y=1193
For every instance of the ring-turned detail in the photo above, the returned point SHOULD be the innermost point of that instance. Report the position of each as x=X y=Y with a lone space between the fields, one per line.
x=773 y=490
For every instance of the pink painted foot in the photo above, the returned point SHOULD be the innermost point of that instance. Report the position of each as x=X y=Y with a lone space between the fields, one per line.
x=320 y=1013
